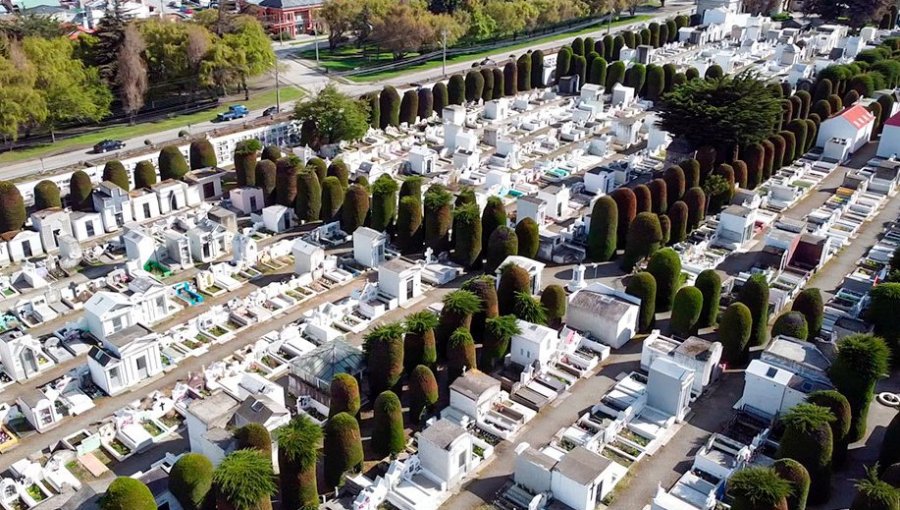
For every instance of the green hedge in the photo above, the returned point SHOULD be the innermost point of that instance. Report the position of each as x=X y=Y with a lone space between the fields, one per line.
x=883 y=306
x=374 y=103
x=860 y=362
x=758 y=488
x=267 y=179
x=807 y=439
x=710 y=284
x=438 y=203
x=459 y=308
x=792 y=324
x=695 y=199
x=339 y=169
x=466 y=235
x=409 y=107
x=343 y=450
x=355 y=208
x=734 y=333
x=126 y=493
x=795 y=474
x=114 y=172
x=675 y=184
x=389 y=104
x=502 y=243
x=615 y=73
x=298 y=454
x=190 y=480
x=686 y=309
x=554 y=299
x=643 y=286
x=384 y=203
x=537 y=69
x=665 y=266
x=644 y=238
x=332 y=199
x=528 y=236
x=441 y=98
x=12 y=208
x=244 y=479
x=383 y=346
x=460 y=354
x=423 y=392
x=485 y=287
x=344 y=391
x=80 y=188
x=510 y=78
x=425 y=103
x=202 y=154
x=474 y=85
x=246 y=153
x=755 y=294
x=643 y=199
x=659 y=194
x=492 y=216
x=513 y=279
x=602 y=235
x=419 y=343
x=840 y=427
x=409 y=225
x=254 y=436
x=171 y=163
x=145 y=174
x=309 y=197
x=626 y=210
x=318 y=166
x=46 y=195
x=271 y=152
x=388 y=436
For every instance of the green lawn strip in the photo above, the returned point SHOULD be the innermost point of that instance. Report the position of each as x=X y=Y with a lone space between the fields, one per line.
x=124 y=132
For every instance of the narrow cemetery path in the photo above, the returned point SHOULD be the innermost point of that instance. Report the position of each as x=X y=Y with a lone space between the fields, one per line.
x=106 y=406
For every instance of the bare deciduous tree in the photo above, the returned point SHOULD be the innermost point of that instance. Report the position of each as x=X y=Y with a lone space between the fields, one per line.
x=132 y=74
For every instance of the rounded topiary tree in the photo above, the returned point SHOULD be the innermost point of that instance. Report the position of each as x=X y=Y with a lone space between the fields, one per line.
x=441 y=97
x=807 y=439
x=419 y=347
x=298 y=452
x=665 y=266
x=487 y=93
x=675 y=184
x=12 y=207
x=710 y=284
x=202 y=154
x=343 y=450
x=809 y=303
x=355 y=208
x=601 y=245
x=792 y=324
x=424 y=103
x=460 y=354
x=739 y=167
x=409 y=225
x=190 y=480
x=246 y=153
x=456 y=89
x=678 y=216
x=563 y=62
x=344 y=391
x=798 y=477
x=643 y=286
x=840 y=427
x=438 y=203
x=46 y=195
x=383 y=346
x=513 y=279
x=644 y=238
x=554 y=299
x=659 y=194
x=635 y=76
x=510 y=78
x=423 y=392
x=656 y=82
x=537 y=69
x=875 y=494
x=695 y=199
x=374 y=115
x=860 y=362
x=459 y=308
x=502 y=243
x=499 y=85
x=626 y=210
x=466 y=235
x=691 y=169
x=615 y=73
x=755 y=294
x=686 y=309
x=389 y=106
x=309 y=197
x=339 y=170
x=527 y=233
x=332 y=199
x=498 y=333
x=244 y=480
x=474 y=85
x=388 y=436
x=486 y=289
x=114 y=172
x=80 y=188
x=126 y=493
x=666 y=225
x=734 y=333
x=384 y=203
x=597 y=72
x=643 y=199
x=145 y=174
x=883 y=305
x=286 y=170
x=317 y=165
x=758 y=488
x=493 y=216
x=271 y=153
x=266 y=179
x=255 y=437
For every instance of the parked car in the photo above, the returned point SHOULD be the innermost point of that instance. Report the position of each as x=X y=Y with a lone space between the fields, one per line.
x=272 y=110
x=234 y=112
x=108 y=145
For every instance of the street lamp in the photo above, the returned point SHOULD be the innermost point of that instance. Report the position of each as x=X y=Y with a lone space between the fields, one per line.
x=444 y=48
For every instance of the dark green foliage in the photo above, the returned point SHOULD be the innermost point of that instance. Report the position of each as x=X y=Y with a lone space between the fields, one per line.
x=710 y=284
x=734 y=333
x=246 y=153
x=527 y=233
x=114 y=172
x=286 y=170
x=460 y=354
x=498 y=333
x=691 y=170
x=332 y=199
x=419 y=344
x=618 y=44
x=626 y=210
x=440 y=97
x=644 y=238
x=388 y=436
x=344 y=390
x=851 y=97
x=487 y=93
x=665 y=266
x=714 y=72
x=383 y=346
x=190 y=480
x=438 y=204
x=579 y=69
x=597 y=73
x=615 y=73
x=692 y=74
x=309 y=196
x=374 y=114
x=465 y=196
x=459 y=308
x=266 y=179
x=671 y=31
x=254 y=436
x=523 y=73
x=883 y=307
x=172 y=164
x=740 y=170
x=553 y=300
x=244 y=480
x=666 y=225
x=643 y=199
x=861 y=361
x=863 y=85
x=298 y=452
x=791 y=324
x=675 y=184
x=606 y=44
x=678 y=217
x=663 y=35
x=510 y=79
x=643 y=286
x=529 y=309
x=773 y=149
x=669 y=71
x=80 y=189
x=807 y=439
x=890 y=444
x=502 y=243
x=563 y=62
x=466 y=235
x=343 y=448
x=513 y=279
x=602 y=235
x=695 y=199
x=635 y=76
x=800 y=131
x=384 y=203
x=653 y=27
x=497 y=74
x=339 y=170
x=389 y=104
x=126 y=493
x=318 y=166
x=875 y=494
x=686 y=309
x=409 y=107
x=271 y=152
x=12 y=207
x=659 y=195
x=202 y=154
x=474 y=85
x=795 y=474
x=578 y=46
x=840 y=427
x=758 y=488
x=809 y=303
x=355 y=208
x=423 y=392
x=835 y=102
x=485 y=287
x=409 y=225
x=754 y=156
x=790 y=147
x=656 y=82
x=46 y=195
x=537 y=69
x=755 y=294
x=493 y=216
x=822 y=108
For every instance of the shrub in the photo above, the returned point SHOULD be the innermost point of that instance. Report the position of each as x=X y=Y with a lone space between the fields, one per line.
x=527 y=234
x=460 y=354
x=656 y=82
x=126 y=493
x=409 y=107
x=46 y=195
x=244 y=479
x=374 y=114
x=755 y=294
x=792 y=324
x=678 y=217
x=686 y=308
x=493 y=216
x=409 y=225
x=245 y=155
x=659 y=194
x=563 y=62
x=875 y=494
x=579 y=69
x=485 y=288
x=339 y=170
x=423 y=392
x=389 y=105
x=271 y=152
x=388 y=436
x=798 y=477
x=355 y=208
x=665 y=266
x=734 y=333
x=597 y=73
x=643 y=199
x=615 y=73
x=807 y=439
x=502 y=243
x=343 y=449
x=438 y=204
x=626 y=210
x=267 y=179
x=840 y=427
x=754 y=156
x=12 y=207
x=758 y=488
x=710 y=284
x=537 y=69
x=675 y=182
x=860 y=362
x=383 y=346
x=114 y=172
x=635 y=76
x=254 y=436
x=523 y=73
x=298 y=453
x=510 y=79
x=419 y=346
x=739 y=167
x=513 y=279
x=344 y=391
x=618 y=44
x=885 y=301
x=692 y=74
x=602 y=236
x=190 y=480
x=202 y=154
x=466 y=235
x=498 y=333
x=499 y=85
x=644 y=237
x=643 y=286
x=425 y=103
x=553 y=300
x=665 y=225
x=459 y=308
x=384 y=202
x=80 y=188
x=145 y=174
x=474 y=85
x=890 y=444
x=309 y=196
x=695 y=200
x=286 y=170
x=654 y=34
x=318 y=166
x=441 y=97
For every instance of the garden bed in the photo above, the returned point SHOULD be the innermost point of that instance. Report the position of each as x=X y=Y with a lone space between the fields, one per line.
x=152 y=428
x=36 y=493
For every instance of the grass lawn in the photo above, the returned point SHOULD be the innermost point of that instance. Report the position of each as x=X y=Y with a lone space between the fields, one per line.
x=349 y=57
x=123 y=132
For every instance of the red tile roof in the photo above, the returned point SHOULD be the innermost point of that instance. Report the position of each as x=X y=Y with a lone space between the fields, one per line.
x=857 y=116
x=893 y=121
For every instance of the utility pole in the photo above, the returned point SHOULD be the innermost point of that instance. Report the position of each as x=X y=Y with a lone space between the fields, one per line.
x=444 y=47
